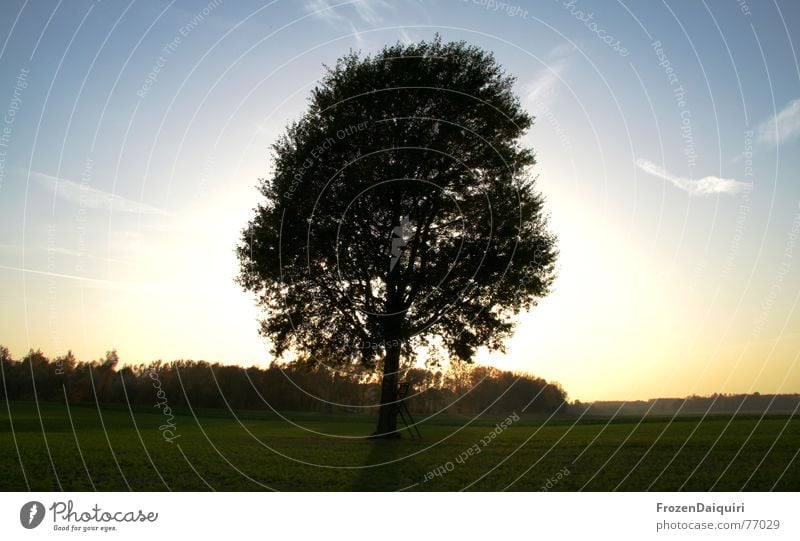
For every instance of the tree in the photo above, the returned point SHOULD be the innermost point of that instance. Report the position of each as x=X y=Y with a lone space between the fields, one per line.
x=105 y=367
x=401 y=216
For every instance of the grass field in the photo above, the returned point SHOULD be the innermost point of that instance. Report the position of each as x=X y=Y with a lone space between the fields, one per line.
x=116 y=448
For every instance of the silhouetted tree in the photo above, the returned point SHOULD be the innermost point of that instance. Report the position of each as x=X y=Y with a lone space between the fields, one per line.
x=401 y=215
x=102 y=373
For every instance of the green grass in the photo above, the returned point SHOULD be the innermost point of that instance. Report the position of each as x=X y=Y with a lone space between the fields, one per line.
x=262 y=451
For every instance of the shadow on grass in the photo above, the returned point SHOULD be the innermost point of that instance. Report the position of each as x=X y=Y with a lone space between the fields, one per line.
x=386 y=469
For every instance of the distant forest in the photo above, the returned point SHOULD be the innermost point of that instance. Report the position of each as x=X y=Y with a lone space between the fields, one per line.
x=694 y=405
x=459 y=389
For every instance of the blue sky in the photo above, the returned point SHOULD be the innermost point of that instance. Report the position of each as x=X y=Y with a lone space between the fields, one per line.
x=667 y=134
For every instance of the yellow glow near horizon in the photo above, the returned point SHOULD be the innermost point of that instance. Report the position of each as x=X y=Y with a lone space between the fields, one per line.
x=619 y=327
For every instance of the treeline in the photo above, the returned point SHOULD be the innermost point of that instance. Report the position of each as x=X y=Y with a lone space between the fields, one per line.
x=460 y=389
x=695 y=405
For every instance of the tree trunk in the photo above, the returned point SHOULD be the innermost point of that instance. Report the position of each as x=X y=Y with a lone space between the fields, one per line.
x=387 y=415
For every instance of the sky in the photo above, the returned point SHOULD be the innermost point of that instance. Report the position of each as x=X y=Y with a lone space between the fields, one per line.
x=667 y=135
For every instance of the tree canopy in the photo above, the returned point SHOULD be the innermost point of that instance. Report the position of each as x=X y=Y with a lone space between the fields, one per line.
x=401 y=215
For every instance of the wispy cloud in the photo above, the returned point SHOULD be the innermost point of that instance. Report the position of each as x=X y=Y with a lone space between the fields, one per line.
x=95 y=282
x=405 y=37
x=561 y=51
x=89 y=197
x=67 y=252
x=705 y=186
x=355 y=15
x=78 y=253
x=367 y=11
x=540 y=91
x=64 y=251
x=782 y=127
x=357 y=35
